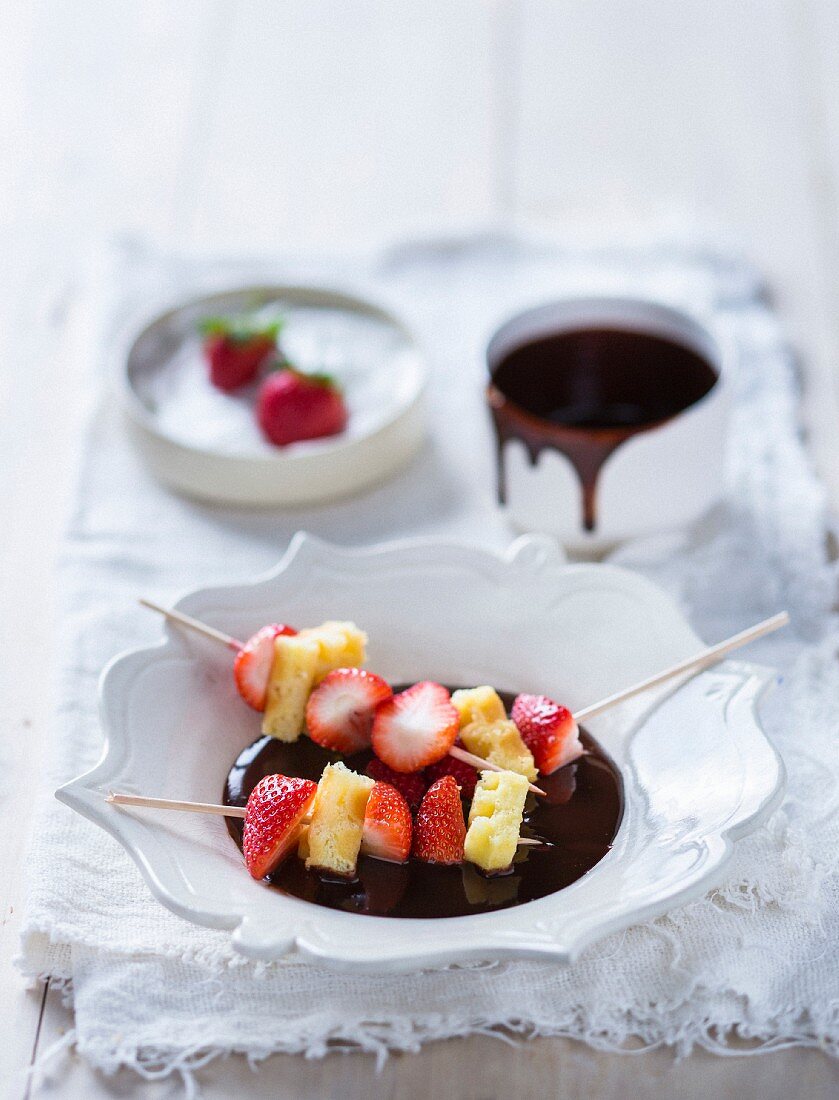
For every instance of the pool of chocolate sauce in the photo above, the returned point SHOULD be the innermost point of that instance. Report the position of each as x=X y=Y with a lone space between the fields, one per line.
x=578 y=820
x=584 y=392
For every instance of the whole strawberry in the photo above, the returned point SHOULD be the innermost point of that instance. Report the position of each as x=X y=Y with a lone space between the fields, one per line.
x=464 y=774
x=292 y=407
x=235 y=348
x=411 y=785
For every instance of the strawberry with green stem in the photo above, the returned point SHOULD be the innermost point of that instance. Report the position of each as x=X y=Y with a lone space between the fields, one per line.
x=236 y=347
x=293 y=406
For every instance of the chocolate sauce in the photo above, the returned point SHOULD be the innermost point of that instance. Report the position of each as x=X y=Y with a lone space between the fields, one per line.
x=585 y=392
x=579 y=818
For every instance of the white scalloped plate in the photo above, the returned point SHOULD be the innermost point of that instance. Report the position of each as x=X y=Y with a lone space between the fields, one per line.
x=698 y=770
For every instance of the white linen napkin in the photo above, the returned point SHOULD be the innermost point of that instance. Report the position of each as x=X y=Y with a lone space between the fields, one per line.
x=758 y=958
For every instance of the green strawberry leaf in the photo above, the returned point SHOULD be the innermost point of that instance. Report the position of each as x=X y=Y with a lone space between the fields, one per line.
x=321 y=378
x=316 y=378
x=241 y=328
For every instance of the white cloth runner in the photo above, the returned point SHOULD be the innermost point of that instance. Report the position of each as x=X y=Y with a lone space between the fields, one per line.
x=758 y=958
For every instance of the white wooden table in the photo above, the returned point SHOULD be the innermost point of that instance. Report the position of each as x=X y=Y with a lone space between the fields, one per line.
x=319 y=123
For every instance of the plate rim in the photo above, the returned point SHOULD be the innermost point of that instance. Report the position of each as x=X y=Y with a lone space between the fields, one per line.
x=535 y=553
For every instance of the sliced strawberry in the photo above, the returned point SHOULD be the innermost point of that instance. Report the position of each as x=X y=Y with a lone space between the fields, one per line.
x=411 y=785
x=273 y=820
x=415 y=728
x=464 y=774
x=252 y=666
x=548 y=730
x=339 y=714
x=439 y=829
x=387 y=825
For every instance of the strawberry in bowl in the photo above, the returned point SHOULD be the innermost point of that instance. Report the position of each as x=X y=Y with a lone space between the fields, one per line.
x=235 y=349
x=292 y=407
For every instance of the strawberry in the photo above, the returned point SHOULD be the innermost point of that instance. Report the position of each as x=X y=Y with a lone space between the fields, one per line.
x=464 y=774
x=273 y=820
x=252 y=666
x=292 y=406
x=235 y=348
x=415 y=728
x=411 y=785
x=548 y=730
x=339 y=713
x=439 y=830
x=387 y=825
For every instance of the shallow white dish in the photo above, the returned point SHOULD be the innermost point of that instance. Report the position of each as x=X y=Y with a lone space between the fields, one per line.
x=698 y=771
x=207 y=444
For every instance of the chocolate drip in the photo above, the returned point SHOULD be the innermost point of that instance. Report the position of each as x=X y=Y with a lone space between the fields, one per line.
x=584 y=393
x=579 y=817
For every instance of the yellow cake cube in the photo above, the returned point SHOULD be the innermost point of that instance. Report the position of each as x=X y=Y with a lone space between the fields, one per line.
x=340 y=645
x=300 y=662
x=495 y=820
x=480 y=704
x=295 y=665
x=334 y=834
x=500 y=742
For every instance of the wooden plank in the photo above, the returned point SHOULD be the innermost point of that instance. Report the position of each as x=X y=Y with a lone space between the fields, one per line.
x=482 y=1068
x=346 y=121
x=107 y=105
x=698 y=113
x=90 y=156
x=815 y=38
x=33 y=490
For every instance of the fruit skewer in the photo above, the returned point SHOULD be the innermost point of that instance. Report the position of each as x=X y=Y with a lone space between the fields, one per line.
x=455 y=751
x=144 y=802
x=548 y=729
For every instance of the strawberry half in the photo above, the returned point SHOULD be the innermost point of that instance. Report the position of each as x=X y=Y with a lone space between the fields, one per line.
x=464 y=774
x=339 y=714
x=439 y=829
x=273 y=820
x=411 y=785
x=252 y=667
x=548 y=730
x=387 y=825
x=235 y=348
x=415 y=728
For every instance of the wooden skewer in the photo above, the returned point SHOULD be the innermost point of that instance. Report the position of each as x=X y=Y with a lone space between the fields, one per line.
x=704 y=659
x=194 y=624
x=233 y=643
x=700 y=660
x=485 y=765
x=118 y=799
x=172 y=804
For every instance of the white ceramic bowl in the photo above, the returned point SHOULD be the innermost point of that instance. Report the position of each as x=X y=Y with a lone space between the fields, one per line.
x=207 y=444
x=662 y=478
x=697 y=769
